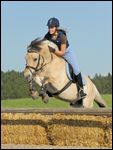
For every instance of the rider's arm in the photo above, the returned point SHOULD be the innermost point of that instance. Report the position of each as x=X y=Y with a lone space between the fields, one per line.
x=62 y=50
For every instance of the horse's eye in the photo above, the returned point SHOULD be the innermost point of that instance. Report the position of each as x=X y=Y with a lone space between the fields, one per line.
x=35 y=59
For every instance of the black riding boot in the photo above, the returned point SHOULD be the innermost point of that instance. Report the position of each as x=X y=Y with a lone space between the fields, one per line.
x=80 y=86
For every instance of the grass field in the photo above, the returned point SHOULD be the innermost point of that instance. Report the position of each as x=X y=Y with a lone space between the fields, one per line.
x=55 y=103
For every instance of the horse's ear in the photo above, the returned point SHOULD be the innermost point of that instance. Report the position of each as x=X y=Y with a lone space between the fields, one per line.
x=51 y=49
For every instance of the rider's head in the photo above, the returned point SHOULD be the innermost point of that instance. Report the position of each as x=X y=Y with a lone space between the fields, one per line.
x=53 y=24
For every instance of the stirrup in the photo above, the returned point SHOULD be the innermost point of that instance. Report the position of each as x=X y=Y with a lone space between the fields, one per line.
x=81 y=93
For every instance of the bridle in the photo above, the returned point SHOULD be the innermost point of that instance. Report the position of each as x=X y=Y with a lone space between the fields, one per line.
x=37 y=68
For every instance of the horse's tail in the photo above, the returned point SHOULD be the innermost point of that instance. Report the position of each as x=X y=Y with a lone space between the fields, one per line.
x=98 y=99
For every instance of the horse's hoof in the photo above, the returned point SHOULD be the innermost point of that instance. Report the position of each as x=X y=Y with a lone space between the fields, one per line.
x=77 y=104
x=34 y=95
x=45 y=98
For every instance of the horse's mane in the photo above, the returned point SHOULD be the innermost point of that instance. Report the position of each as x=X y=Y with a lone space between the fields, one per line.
x=35 y=44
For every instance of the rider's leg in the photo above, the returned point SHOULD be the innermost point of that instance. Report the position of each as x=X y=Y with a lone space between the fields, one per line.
x=80 y=86
x=70 y=57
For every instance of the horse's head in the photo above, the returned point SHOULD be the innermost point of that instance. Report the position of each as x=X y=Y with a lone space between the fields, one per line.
x=38 y=55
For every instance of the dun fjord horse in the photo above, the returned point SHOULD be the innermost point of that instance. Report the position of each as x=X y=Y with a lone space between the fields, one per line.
x=49 y=71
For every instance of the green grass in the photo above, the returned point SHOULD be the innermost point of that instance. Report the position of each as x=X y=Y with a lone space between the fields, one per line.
x=53 y=103
x=29 y=102
x=108 y=99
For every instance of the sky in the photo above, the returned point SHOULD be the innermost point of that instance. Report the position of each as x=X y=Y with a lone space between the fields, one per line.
x=88 y=25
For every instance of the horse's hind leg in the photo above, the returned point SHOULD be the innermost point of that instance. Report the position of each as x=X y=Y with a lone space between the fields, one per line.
x=77 y=104
x=98 y=99
x=87 y=103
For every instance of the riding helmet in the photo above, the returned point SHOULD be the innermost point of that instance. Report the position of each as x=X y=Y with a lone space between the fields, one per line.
x=53 y=22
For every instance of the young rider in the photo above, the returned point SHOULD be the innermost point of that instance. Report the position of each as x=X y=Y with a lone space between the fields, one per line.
x=60 y=39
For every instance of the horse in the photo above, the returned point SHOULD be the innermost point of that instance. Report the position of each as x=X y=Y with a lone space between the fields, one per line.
x=49 y=71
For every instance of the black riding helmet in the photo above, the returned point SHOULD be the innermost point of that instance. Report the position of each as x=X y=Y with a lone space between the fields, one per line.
x=53 y=22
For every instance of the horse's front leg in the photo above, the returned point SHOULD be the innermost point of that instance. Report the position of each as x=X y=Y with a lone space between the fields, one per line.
x=43 y=94
x=41 y=81
x=34 y=93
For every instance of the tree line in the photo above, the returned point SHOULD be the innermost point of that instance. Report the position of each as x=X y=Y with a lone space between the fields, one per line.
x=14 y=85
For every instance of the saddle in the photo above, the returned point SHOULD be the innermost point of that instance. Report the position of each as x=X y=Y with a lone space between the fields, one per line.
x=70 y=72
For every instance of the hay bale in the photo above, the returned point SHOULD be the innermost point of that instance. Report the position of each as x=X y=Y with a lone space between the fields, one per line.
x=57 y=129
x=23 y=129
x=77 y=130
x=108 y=133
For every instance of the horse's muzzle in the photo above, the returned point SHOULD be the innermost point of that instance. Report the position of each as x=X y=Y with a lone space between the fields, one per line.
x=28 y=78
x=27 y=75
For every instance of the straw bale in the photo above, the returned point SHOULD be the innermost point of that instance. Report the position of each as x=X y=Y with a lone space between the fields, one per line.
x=80 y=130
x=57 y=129
x=23 y=129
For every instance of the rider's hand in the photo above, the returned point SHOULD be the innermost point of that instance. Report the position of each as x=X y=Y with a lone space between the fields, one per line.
x=52 y=49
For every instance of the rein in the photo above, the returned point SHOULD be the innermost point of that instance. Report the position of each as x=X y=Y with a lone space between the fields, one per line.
x=41 y=67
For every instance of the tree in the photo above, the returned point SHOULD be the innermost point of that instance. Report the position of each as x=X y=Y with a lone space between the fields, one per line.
x=13 y=84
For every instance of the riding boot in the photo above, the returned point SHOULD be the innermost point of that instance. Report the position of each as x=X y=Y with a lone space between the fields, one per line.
x=80 y=86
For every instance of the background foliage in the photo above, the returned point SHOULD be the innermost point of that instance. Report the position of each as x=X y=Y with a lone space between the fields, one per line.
x=13 y=84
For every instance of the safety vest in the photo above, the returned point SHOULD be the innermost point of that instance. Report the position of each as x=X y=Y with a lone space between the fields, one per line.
x=57 y=41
